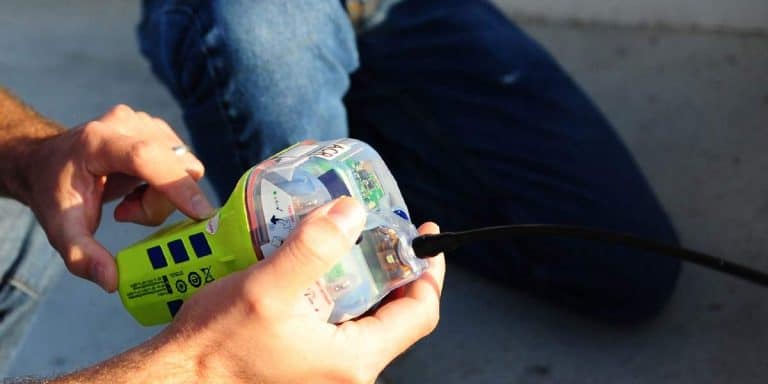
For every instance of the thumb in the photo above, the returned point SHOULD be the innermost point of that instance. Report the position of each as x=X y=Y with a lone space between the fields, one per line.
x=320 y=241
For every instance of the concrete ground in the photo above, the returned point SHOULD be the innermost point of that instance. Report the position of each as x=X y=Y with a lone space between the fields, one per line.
x=692 y=106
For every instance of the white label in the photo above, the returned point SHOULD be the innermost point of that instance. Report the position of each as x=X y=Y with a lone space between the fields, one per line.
x=332 y=151
x=294 y=152
x=213 y=224
x=286 y=163
x=279 y=216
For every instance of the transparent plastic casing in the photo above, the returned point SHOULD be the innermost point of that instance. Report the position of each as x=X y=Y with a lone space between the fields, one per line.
x=286 y=187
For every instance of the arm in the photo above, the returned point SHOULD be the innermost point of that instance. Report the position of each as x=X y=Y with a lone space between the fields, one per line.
x=19 y=127
x=65 y=176
x=247 y=328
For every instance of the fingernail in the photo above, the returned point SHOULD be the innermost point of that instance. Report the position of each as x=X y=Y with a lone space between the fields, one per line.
x=349 y=216
x=98 y=275
x=201 y=206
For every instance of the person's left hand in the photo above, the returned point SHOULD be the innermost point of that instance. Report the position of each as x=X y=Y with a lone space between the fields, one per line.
x=67 y=177
x=254 y=325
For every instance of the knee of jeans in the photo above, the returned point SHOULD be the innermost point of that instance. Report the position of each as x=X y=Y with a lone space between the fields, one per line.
x=290 y=64
x=612 y=284
x=279 y=38
x=604 y=282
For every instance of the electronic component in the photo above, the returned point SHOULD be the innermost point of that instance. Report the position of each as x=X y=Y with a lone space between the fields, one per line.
x=159 y=273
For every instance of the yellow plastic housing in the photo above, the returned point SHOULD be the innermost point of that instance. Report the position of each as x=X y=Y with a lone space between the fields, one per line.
x=158 y=273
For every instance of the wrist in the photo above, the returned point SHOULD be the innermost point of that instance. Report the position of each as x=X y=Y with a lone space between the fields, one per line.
x=21 y=130
x=156 y=361
x=165 y=362
x=18 y=161
x=21 y=158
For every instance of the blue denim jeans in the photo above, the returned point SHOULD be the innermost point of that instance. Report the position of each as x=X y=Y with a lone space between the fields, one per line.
x=28 y=266
x=478 y=123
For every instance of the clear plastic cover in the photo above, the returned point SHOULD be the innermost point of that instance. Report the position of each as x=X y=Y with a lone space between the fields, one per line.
x=284 y=188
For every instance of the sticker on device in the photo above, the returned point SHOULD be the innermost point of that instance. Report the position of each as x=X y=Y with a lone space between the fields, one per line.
x=331 y=152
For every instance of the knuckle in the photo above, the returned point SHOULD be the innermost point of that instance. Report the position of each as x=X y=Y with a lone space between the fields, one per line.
x=430 y=320
x=314 y=242
x=90 y=133
x=143 y=116
x=160 y=122
x=257 y=303
x=121 y=110
x=74 y=269
x=320 y=234
x=75 y=266
x=433 y=320
x=139 y=152
x=361 y=375
x=91 y=129
x=153 y=220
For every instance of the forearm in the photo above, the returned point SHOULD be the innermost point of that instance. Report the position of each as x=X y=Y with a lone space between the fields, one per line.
x=152 y=362
x=20 y=128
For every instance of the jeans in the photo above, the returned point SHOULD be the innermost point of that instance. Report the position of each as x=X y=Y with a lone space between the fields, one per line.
x=478 y=123
x=28 y=266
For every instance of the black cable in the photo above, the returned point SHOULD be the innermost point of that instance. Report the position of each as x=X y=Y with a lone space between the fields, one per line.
x=430 y=245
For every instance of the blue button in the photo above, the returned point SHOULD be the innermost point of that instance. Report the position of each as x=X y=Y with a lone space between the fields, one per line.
x=200 y=244
x=156 y=257
x=178 y=252
x=174 y=306
x=334 y=184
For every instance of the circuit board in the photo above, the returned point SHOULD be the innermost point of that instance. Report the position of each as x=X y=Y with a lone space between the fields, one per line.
x=367 y=182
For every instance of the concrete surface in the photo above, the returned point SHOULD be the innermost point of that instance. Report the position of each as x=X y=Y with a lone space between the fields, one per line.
x=693 y=107
x=708 y=14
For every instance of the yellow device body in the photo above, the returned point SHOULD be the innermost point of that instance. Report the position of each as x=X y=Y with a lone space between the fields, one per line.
x=157 y=274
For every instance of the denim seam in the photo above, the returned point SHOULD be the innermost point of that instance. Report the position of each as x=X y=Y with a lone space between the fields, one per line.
x=21 y=286
x=218 y=89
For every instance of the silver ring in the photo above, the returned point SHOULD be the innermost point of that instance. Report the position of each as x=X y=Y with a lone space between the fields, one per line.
x=180 y=150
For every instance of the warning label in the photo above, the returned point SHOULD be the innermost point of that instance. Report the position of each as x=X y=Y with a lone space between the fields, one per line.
x=156 y=286
x=279 y=215
x=208 y=275
x=316 y=301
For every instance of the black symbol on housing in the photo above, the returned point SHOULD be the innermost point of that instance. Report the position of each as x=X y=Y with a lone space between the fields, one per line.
x=208 y=276
x=181 y=286
x=194 y=279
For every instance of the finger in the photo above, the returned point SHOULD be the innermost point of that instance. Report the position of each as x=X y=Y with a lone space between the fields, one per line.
x=82 y=254
x=124 y=119
x=320 y=240
x=436 y=263
x=192 y=164
x=157 y=165
x=118 y=185
x=145 y=206
x=120 y=112
x=140 y=124
x=396 y=325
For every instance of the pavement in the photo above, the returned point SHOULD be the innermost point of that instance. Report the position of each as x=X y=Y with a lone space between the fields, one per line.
x=691 y=104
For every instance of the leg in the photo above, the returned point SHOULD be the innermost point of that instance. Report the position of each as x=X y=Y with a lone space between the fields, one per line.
x=28 y=266
x=252 y=77
x=481 y=127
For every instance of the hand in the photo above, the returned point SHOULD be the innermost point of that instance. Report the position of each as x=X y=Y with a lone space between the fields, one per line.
x=246 y=327
x=67 y=178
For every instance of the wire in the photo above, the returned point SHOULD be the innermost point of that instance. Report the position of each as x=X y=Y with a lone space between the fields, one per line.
x=430 y=245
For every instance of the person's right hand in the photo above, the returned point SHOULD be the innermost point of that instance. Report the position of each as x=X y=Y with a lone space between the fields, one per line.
x=66 y=178
x=247 y=328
